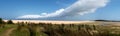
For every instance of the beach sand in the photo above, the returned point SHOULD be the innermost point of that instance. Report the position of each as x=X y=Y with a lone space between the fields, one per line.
x=53 y=22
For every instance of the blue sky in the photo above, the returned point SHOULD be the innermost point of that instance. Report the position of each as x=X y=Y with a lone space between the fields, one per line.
x=110 y=12
x=10 y=9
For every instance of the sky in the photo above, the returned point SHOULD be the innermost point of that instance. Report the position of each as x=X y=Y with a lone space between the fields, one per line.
x=60 y=9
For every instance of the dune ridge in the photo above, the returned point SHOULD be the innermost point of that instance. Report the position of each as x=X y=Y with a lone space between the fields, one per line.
x=49 y=21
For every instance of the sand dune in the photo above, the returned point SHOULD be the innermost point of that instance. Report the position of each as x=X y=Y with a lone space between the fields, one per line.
x=54 y=22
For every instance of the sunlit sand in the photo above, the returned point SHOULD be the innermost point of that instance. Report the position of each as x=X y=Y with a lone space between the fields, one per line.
x=53 y=22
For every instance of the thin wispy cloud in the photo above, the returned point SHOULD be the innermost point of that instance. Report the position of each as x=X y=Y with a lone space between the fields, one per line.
x=80 y=7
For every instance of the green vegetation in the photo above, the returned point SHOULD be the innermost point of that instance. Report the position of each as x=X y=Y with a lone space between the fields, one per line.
x=23 y=31
x=10 y=22
x=48 y=29
x=6 y=27
x=1 y=21
x=61 y=30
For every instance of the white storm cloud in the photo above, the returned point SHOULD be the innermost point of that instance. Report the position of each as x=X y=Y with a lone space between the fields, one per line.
x=80 y=7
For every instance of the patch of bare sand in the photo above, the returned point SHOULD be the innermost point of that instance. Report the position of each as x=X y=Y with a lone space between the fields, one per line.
x=53 y=22
x=8 y=32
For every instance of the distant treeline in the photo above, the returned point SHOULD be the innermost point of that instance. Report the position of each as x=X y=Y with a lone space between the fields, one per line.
x=8 y=22
x=107 y=20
